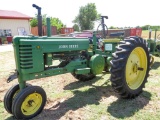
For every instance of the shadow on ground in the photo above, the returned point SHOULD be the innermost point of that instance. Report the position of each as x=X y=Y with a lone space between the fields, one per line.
x=79 y=100
x=123 y=108
x=119 y=109
x=155 y=65
x=11 y=118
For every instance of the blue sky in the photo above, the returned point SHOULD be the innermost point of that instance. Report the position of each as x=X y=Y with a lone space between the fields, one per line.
x=121 y=13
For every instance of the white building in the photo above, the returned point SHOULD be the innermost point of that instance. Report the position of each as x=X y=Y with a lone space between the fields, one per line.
x=14 y=23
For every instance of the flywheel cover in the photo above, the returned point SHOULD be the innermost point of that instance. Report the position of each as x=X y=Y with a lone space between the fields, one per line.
x=97 y=64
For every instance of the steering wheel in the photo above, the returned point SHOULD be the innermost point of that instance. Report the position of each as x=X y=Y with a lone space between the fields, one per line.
x=102 y=30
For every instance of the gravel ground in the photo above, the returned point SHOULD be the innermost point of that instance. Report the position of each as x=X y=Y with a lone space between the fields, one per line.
x=6 y=47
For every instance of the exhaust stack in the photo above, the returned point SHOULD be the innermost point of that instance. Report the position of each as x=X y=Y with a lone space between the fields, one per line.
x=39 y=18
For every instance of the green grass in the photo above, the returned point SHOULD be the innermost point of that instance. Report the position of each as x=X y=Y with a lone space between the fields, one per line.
x=145 y=34
x=68 y=98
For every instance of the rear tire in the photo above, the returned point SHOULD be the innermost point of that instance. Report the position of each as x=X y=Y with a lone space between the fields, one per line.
x=130 y=67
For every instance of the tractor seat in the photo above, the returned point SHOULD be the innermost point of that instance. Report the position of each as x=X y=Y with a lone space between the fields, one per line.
x=116 y=34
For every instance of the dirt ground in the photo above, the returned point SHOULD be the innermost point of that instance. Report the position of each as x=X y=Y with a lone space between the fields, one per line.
x=70 y=99
x=57 y=99
x=59 y=81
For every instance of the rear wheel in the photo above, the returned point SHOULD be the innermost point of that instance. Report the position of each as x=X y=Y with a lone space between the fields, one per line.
x=130 y=67
x=29 y=102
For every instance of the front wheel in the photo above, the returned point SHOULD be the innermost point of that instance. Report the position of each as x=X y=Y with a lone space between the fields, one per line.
x=10 y=95
x=29 y=102
x=130 y=67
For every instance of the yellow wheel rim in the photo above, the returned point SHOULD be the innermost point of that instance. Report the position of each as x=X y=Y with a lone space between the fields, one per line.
x=31 y=104
x=136 y=68
x=16 y=93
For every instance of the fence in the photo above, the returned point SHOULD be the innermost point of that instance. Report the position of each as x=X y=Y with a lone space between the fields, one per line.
x=34 y=30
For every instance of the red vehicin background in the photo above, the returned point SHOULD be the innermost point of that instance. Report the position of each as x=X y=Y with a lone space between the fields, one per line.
x=136 y=32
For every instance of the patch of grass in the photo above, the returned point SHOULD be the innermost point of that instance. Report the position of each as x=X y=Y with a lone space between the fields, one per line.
x=1 y=106
x=4 y=114
x=68 y=98
x=145 y=34
x=58 y=95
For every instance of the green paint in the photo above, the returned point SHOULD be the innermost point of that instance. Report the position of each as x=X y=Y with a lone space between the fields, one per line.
x=35 y=56
x=48 y=27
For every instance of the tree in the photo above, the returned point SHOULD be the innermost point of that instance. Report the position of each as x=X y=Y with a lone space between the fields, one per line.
x=76 y=27
x=34 y=21
x=54 y=22
x=58 y=23
x=145 y=27
x=112 y=27
x=86 y=17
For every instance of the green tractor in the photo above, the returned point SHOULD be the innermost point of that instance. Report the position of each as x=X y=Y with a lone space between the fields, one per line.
x=128 y=61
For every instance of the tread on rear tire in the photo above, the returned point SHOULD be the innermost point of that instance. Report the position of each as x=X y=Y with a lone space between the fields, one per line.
x=130 y=67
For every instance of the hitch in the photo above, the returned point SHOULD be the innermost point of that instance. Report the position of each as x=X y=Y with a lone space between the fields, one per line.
x=12 y=76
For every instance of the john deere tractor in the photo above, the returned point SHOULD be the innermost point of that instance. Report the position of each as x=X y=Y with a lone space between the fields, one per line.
x=127 y=59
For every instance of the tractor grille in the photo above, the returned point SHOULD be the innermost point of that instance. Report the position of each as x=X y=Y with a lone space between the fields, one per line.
x=25 y=53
